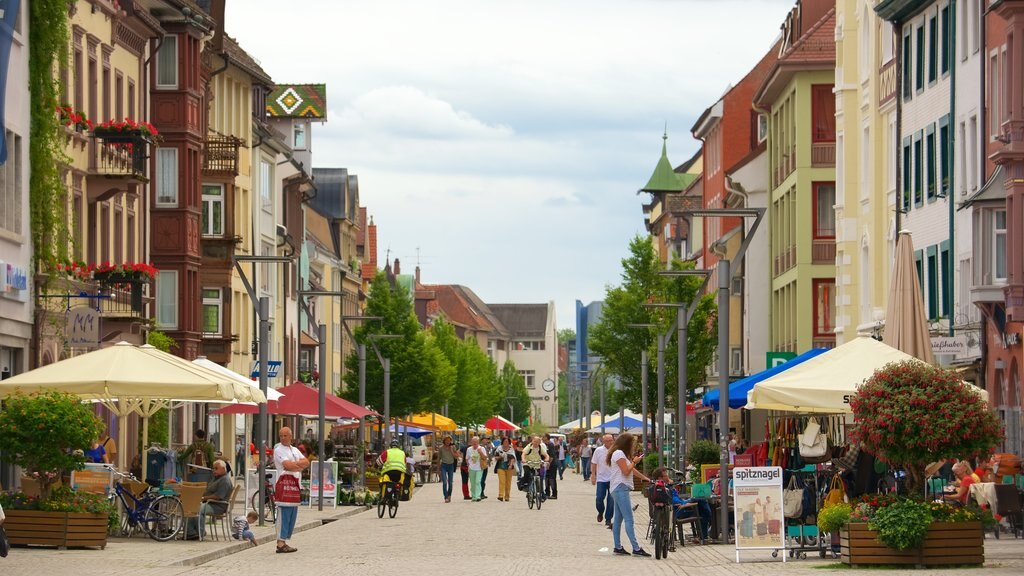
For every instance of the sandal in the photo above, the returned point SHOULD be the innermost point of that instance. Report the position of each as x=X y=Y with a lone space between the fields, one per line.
x=285 y=549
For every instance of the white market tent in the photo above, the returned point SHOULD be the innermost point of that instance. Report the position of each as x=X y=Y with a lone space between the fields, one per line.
x=580 y=423
x=633 y=423
x=825 y=383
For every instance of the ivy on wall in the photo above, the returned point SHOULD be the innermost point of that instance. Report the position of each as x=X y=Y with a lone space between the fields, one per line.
x=48 y=52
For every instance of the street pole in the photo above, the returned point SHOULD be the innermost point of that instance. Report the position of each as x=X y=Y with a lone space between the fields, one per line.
x=604 y=415
x=361 y=436
x=659 y=432
x=387 y=401
x=683 y=325
x=264 y=351
x=321 y=420
x=588 y=395
x=643 y=393
x=724 y=276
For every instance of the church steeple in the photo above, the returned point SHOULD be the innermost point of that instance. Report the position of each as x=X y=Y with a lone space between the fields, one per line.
x=664 y=178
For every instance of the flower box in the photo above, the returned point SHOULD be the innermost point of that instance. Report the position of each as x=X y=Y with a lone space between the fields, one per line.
x=947 y=543
x=60 y=529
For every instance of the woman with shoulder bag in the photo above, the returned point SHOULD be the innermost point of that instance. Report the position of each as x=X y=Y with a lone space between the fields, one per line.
x=449 y=461
x=505 y=468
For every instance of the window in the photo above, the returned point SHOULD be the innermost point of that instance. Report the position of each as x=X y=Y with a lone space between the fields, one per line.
x=918 y=171
x=919 y=60
x=118 y=95
x=530 y=378
x=999 y=245
x=907 y=66
x=167 y=177
x=11 y=190
x=930 y=157
x=995 y=110
x=299 y=141
x=946 y=156
x=530 y=345
x=919 y=266
x=946 y=33
x=946 y=274
x=79 y=65
x=131 y=98
x=975 y=24
x=972 y=153
x=167 y=63
x=490 y=349
x=266 y=193
x=932 y=289
x=167 y=299
x=823 y=113
x=824 y=209
x=266 y=270
x=824 y=307
x=887 y=42
x=933 y=49
x=213 y=210
x=212 y=306
x=907 y=173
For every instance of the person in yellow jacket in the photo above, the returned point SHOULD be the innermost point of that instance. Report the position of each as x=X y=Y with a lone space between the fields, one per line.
x=392 y=466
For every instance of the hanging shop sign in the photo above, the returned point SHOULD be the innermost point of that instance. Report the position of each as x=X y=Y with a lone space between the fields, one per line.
x=13 y=282
x=83 y=327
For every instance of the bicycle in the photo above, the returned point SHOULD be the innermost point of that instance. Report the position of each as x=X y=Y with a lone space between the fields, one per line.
x=535 y=491
x=270 y=514
x=158 y=516
x=390 y=495
x=661 y=512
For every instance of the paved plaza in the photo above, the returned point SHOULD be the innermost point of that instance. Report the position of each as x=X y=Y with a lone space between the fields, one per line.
x=430 y=538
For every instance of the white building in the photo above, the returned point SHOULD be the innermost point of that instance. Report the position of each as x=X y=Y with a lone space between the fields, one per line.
x=533 y=348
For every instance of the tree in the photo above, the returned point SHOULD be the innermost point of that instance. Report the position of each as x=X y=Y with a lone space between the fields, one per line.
x=40 y=433
x=476 y=394
x=421 y=377
x=911 y=414
x=620 y=345
x=566 y=335
x=514 y=386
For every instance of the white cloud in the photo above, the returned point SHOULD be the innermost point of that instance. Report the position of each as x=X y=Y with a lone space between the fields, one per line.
x=408 y=112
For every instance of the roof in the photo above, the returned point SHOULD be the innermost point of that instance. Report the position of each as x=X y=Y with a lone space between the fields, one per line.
x=814 y=50
x=899 y=10
x=664 y=178
x=298 y=101
x=523 y=320
x=989 y=192
x=331 y=193
x=244 y=61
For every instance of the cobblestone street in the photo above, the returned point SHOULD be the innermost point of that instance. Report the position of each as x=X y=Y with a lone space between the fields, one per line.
x=429 y=538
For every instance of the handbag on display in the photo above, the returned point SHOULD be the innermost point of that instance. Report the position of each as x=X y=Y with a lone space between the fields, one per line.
x=814 y=444
x=287 y=490
x=793 y=499
x=836 y=493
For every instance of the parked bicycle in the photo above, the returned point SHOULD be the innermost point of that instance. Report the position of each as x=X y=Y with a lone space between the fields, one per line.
x=156 y=515
x=270 y=514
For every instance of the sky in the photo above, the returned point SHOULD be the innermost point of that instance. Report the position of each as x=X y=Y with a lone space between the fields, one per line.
x=500 y=144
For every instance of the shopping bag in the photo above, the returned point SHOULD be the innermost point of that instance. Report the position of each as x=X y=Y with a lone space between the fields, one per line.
x=836 y=493
x=814 y=444
x=793 y=499
x=287 y=490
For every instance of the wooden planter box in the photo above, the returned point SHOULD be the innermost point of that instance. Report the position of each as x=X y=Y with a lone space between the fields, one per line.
x=60 y=529
x=947 y=543
x=371 y=483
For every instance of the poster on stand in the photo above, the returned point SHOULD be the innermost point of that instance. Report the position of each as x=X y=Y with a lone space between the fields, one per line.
x=94 y=479
x=327 y=474
x=759 y=518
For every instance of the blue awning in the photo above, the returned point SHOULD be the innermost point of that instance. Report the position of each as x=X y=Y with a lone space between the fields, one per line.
x=738 y=389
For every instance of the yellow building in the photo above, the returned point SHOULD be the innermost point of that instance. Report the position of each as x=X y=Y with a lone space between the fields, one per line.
x=866 y=167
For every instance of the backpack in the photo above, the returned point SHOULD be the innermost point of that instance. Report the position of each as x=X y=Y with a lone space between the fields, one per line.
x=661 y=493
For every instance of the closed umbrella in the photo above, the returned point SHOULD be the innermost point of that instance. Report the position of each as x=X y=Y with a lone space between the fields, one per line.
x=906 y=327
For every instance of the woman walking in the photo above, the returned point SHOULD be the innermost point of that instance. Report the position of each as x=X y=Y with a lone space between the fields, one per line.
x=476 y=456
x=449 y=460
x=623 y=465
x=505 y=465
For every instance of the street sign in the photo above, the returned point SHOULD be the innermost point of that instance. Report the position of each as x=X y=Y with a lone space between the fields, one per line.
x=273 y=367
x=773 y=359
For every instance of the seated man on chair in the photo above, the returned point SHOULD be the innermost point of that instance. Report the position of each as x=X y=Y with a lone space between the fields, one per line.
x=215 y=498
x=688 y=507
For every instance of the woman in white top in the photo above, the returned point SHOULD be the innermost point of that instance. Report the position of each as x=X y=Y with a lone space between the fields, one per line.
x=623 y=464
x=287 y=460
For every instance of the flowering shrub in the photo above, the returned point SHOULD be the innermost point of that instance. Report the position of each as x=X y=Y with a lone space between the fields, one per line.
x=126 y=126
x=63 y=499
x=902 y=524
x=75 y=119
x=911 y=414
x=39 y=432
x=126 y=269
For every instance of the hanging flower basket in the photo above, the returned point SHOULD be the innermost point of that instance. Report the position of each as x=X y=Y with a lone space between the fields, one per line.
x=128 y=272
x=126 y=131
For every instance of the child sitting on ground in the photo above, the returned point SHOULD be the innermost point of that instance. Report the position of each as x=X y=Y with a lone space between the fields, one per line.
x=240 y=527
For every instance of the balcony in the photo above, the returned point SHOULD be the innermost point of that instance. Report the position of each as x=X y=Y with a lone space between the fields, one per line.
x=887 y=82
x=827 y=342
x=823 y=251
x=786 y=260
x=117 y=302
x=220 y=155
x=119 y=156
x=823 y=154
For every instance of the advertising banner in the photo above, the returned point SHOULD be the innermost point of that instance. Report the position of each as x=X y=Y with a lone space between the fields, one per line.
x=328 y=475
x=94 y=479
x=759 y=519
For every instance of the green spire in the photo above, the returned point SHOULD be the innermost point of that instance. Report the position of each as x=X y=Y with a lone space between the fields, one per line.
x=664 y=178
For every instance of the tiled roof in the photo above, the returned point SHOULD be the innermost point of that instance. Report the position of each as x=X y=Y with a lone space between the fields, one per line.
x=817 y=45
x=298 y=101
x=523 y=320
x=245 y=61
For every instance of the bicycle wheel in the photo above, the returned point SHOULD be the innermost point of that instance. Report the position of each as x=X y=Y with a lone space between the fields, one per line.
x=270 y=510
x=540 y=496
x=393 y=505
x=666 y=533
x=659 y=542
x=164 y=518
x=382 y=504
x=530 y=492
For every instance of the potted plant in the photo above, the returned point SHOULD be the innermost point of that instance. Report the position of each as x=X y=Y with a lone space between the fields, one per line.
x=126 y=130
x=831 y=519
x=74 y=120
x=40 y=433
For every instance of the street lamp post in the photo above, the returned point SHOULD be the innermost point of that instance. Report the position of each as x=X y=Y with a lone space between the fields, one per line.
x=361 y=355
x=385 y=362
x=725 y=272
x=643 y=381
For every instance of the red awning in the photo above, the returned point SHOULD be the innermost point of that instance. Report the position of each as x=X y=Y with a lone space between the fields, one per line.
x=301 y=399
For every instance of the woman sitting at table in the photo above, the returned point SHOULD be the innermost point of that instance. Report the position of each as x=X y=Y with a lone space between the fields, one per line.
x=965 y=478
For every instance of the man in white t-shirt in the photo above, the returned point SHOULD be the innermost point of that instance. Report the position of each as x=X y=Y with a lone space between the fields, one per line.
x=601 y=476
x=288 y=461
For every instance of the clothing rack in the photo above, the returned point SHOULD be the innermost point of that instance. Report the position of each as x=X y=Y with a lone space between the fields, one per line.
x=817 y=478
x=783 y=430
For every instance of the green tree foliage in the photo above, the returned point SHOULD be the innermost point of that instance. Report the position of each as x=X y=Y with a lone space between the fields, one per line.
x=421 y=377
x=159 y=432
x=619 y=345
x=40 y=433
x=566 y=335
x=514 y=387
x=477 y=392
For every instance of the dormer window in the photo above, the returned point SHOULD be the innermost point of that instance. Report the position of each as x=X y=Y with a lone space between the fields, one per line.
x=299 y=139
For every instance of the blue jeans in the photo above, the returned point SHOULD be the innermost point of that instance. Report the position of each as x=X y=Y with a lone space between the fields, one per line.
x=585 y=464
x=447 y=479
x=604 y=502
x=286 y=516
x=623 y=513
